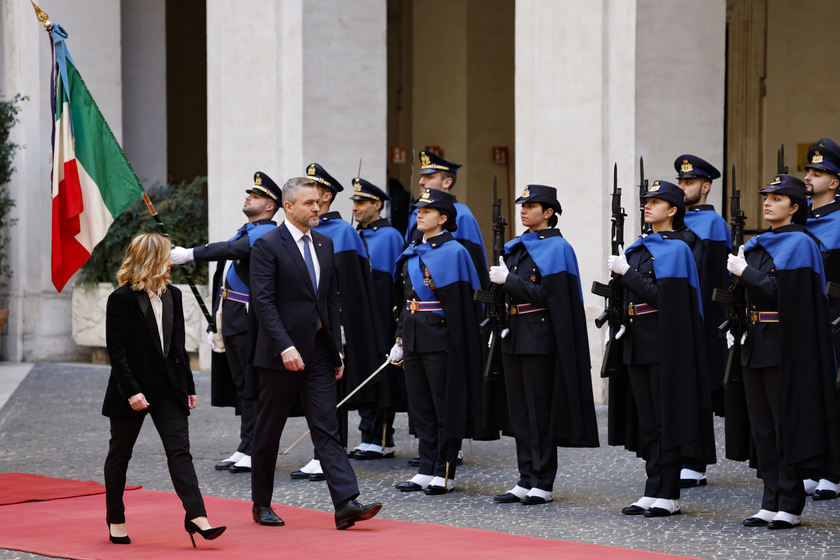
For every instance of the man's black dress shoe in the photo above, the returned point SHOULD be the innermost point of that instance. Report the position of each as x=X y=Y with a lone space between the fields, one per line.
x=435 y=490
x=507 y=498
x=823 y=495
x=659 y=512
x=224 y=465
x=317 y=477
x=692 y=482
x=264 y=515
x=414 y=462
x=299 y=475
x=408 y=486
x=754 y=522
x=235 y=469
x=347 y=515
x=633 y=510
x=367 y=455
x=352 y=453
x=533 y=501
x=779 y=524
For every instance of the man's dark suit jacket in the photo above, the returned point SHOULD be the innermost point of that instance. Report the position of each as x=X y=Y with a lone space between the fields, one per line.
x=285 y=302
x=138 y=363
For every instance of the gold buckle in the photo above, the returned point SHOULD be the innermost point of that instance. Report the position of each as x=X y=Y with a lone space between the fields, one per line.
x=412 y=306
x=754 y=317
x=225 y=293
x=631 y=310
x=513 y=310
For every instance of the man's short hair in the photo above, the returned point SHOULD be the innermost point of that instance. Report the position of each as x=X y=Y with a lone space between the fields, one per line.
x=292 y=187
x=445 y=174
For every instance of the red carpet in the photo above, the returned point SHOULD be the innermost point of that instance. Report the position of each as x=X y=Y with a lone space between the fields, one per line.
x=155 y=520
x=16 y=488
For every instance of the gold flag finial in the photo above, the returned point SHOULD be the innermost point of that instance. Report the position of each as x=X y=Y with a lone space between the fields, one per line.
x=42 y=16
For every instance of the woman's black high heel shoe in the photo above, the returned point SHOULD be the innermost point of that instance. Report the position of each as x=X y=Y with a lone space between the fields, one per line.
x=208 y=534
x=117 y=540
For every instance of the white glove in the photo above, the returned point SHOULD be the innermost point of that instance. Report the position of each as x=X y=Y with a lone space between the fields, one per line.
x=730 y=340
x=498 y=274
x=744 y=337
x=736 y=264
x=179 y=255
x=343 y=338
x=618 y=263
x=396 y=354
x=211 y=340
x=505 y=332
x=606 y=336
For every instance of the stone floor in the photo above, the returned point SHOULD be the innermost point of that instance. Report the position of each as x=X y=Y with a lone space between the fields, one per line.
x=51 y=425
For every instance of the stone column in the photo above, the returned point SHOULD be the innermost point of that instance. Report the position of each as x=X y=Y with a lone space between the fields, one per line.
x=280 y=97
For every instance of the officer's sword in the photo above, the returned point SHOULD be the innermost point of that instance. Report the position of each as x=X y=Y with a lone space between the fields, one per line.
x=345 y=399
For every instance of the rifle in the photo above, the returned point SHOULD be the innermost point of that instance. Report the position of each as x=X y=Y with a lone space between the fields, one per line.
x=780 y=161
x=735 y=297
x=613 y=314
x=646 y=228
x=496 y=320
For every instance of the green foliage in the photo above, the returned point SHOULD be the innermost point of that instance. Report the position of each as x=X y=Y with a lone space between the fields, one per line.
x=183 y=209
x=8 y=118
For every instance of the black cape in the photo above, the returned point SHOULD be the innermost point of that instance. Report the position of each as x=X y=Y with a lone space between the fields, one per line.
x=573 y=420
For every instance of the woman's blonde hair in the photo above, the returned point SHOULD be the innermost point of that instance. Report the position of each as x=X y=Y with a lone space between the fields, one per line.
x=145 y=263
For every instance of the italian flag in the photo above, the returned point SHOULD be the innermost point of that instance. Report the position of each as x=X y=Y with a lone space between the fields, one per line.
x=92 y=181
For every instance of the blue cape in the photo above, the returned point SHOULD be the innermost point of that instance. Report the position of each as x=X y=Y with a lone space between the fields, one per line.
x=552 y=255
x=448 y=263
x=827 y=230
x=255 y=231
x=790 y=250
x=672 y=259
x=343 y=235
x=384 y=247
x=707 y=224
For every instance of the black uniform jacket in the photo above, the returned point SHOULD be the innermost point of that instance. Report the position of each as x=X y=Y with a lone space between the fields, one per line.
x=544 y=272
x=236 y=318
x=785 y=274
x=452 y=281
x=365 y=349
x=663 y=275
x=138 y=363
x=285 y=303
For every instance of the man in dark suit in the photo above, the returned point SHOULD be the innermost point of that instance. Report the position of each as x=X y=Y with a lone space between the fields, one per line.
x=295 y=298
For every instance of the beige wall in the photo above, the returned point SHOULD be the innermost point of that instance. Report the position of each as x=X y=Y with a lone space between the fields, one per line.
x=802 y=104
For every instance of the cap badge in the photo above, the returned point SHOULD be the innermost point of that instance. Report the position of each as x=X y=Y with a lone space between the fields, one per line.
x=427 y=195
x=655 y=187
x=686 y=167
x=526 y=193
x=258 y=180
x=424 y=158
x=311 y=170
x=776 y=181
x=357 y=186
x=817 y=158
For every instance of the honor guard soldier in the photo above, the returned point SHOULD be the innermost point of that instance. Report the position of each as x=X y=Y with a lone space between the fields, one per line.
x=546 y=350
x=235 y=327
x=821 y=183
x=383 y=245
x=786 y=356
x=670 y=418
x=713 y=241
x=363 y=346
x=437 y=173
x=437 y=334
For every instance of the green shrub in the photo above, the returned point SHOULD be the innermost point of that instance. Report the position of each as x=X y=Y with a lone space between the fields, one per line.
x=8 y=118
x=183 y=209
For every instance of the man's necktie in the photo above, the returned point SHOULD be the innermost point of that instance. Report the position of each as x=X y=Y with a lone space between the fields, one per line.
x=310 y=265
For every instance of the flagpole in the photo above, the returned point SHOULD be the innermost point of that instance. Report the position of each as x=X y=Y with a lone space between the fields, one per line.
x=43 y=18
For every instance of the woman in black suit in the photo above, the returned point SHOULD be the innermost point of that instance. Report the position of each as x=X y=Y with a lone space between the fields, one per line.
x=150 y=374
